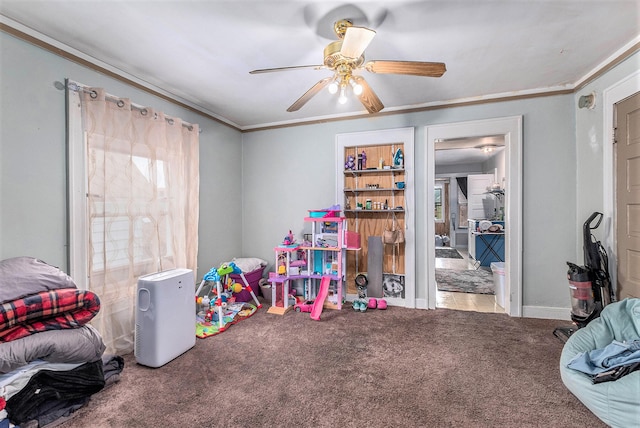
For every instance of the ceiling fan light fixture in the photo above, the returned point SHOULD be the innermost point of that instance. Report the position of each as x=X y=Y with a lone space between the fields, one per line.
x=356 y=41
x=342 y=99
x=333 y=87
x=487 y=148
x=357 y=88
x=345 y=56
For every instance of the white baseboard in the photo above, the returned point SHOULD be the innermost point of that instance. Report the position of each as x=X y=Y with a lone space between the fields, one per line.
x=542 y=312
x=421 y=304
x=546 y=312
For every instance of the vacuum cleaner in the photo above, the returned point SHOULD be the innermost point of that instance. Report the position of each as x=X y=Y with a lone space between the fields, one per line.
x=589 y=285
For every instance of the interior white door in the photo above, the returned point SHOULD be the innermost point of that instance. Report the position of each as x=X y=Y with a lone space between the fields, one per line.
x=476 y=192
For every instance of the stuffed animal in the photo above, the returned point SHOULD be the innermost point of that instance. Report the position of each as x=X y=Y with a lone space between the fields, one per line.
x=350 y=163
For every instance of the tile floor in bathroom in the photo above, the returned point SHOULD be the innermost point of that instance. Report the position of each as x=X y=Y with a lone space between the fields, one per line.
x=464 y=301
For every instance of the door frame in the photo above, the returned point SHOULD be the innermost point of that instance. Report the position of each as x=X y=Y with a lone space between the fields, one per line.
x=511 y=128
x=383 y=137
x=610 y=96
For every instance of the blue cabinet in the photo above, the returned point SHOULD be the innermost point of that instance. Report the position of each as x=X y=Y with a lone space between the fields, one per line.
x=485 y=247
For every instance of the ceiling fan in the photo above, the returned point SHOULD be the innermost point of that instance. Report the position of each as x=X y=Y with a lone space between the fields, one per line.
x=344 y=56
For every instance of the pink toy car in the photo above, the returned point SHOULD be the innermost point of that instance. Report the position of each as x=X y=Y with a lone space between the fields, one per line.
x=303 y=306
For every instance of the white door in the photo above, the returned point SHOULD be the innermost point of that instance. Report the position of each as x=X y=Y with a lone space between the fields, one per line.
x=476 y=192
x=627 y=161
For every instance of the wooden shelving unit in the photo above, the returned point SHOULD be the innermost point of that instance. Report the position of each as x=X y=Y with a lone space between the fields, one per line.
x=371 y=199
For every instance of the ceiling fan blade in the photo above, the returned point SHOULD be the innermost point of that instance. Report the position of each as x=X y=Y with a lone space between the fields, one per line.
x=310 y=93
x=368 y=98
x=414 y=68
x=355 y=41
x=295 y=67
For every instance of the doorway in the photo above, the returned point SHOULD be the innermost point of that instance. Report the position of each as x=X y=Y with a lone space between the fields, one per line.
x=471 y=171
x=510 y=128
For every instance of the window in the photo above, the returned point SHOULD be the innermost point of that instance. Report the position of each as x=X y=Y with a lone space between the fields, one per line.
x=463 y=205
x=134 y=189
x=440 y=210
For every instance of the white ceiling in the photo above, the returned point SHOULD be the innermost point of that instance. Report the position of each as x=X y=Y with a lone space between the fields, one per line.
x=468 y=151
x=201 y=52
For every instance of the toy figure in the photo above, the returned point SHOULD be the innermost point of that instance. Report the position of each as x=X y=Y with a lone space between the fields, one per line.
x=350 y=163
x=289 y=239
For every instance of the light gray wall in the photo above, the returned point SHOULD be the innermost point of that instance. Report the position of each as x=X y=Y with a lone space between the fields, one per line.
x=258 y=185
x=461 y=169
x=590 y=142
x=32 y=159
x=300 y=165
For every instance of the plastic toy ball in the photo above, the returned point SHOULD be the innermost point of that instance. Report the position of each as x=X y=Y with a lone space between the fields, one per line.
x=236 y=287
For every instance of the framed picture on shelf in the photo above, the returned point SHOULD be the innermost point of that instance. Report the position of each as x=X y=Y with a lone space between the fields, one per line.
x=393 y=285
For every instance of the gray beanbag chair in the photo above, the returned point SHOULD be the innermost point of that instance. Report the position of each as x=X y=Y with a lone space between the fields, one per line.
x=617 y=402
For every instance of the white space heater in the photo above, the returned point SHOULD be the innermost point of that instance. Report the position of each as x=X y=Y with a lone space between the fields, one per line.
x=165 y=316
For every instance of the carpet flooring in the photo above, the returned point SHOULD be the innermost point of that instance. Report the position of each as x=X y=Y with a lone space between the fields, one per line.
x=478 y=281
x=447 y=253
x=382 y=368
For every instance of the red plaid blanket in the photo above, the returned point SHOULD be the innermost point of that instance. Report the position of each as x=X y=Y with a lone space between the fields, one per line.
x=47 y=310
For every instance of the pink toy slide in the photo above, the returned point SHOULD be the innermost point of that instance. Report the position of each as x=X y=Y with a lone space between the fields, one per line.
x=316 y=310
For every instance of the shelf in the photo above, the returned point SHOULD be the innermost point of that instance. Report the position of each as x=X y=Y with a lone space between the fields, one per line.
x=371 y=171
x=366 y=189
x=323 y=219
x=374 y=211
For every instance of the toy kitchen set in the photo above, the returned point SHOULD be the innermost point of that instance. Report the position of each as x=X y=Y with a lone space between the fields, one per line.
x=486 y=231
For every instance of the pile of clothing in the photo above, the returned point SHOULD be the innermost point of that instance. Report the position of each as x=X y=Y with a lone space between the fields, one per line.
x=51 y=359
x=610 y=363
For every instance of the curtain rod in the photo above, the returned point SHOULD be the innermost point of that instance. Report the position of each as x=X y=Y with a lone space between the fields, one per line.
x=78 y=87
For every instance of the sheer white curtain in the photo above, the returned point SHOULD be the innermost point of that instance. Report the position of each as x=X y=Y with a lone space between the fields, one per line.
x=142 y=185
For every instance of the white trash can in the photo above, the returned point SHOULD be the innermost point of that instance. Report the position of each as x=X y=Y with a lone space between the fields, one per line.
x=497 y=268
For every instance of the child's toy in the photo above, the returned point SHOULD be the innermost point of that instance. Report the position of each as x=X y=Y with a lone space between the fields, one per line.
x=214 y=309
x=304 y=306
x=221 y=308
x=350 y=163
x=235 y=312
x=289 y=239
x=214 y=277
x=234 y=286
x=316 y=310
x=236 y=270
x=319 y=264
x=225 y=269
